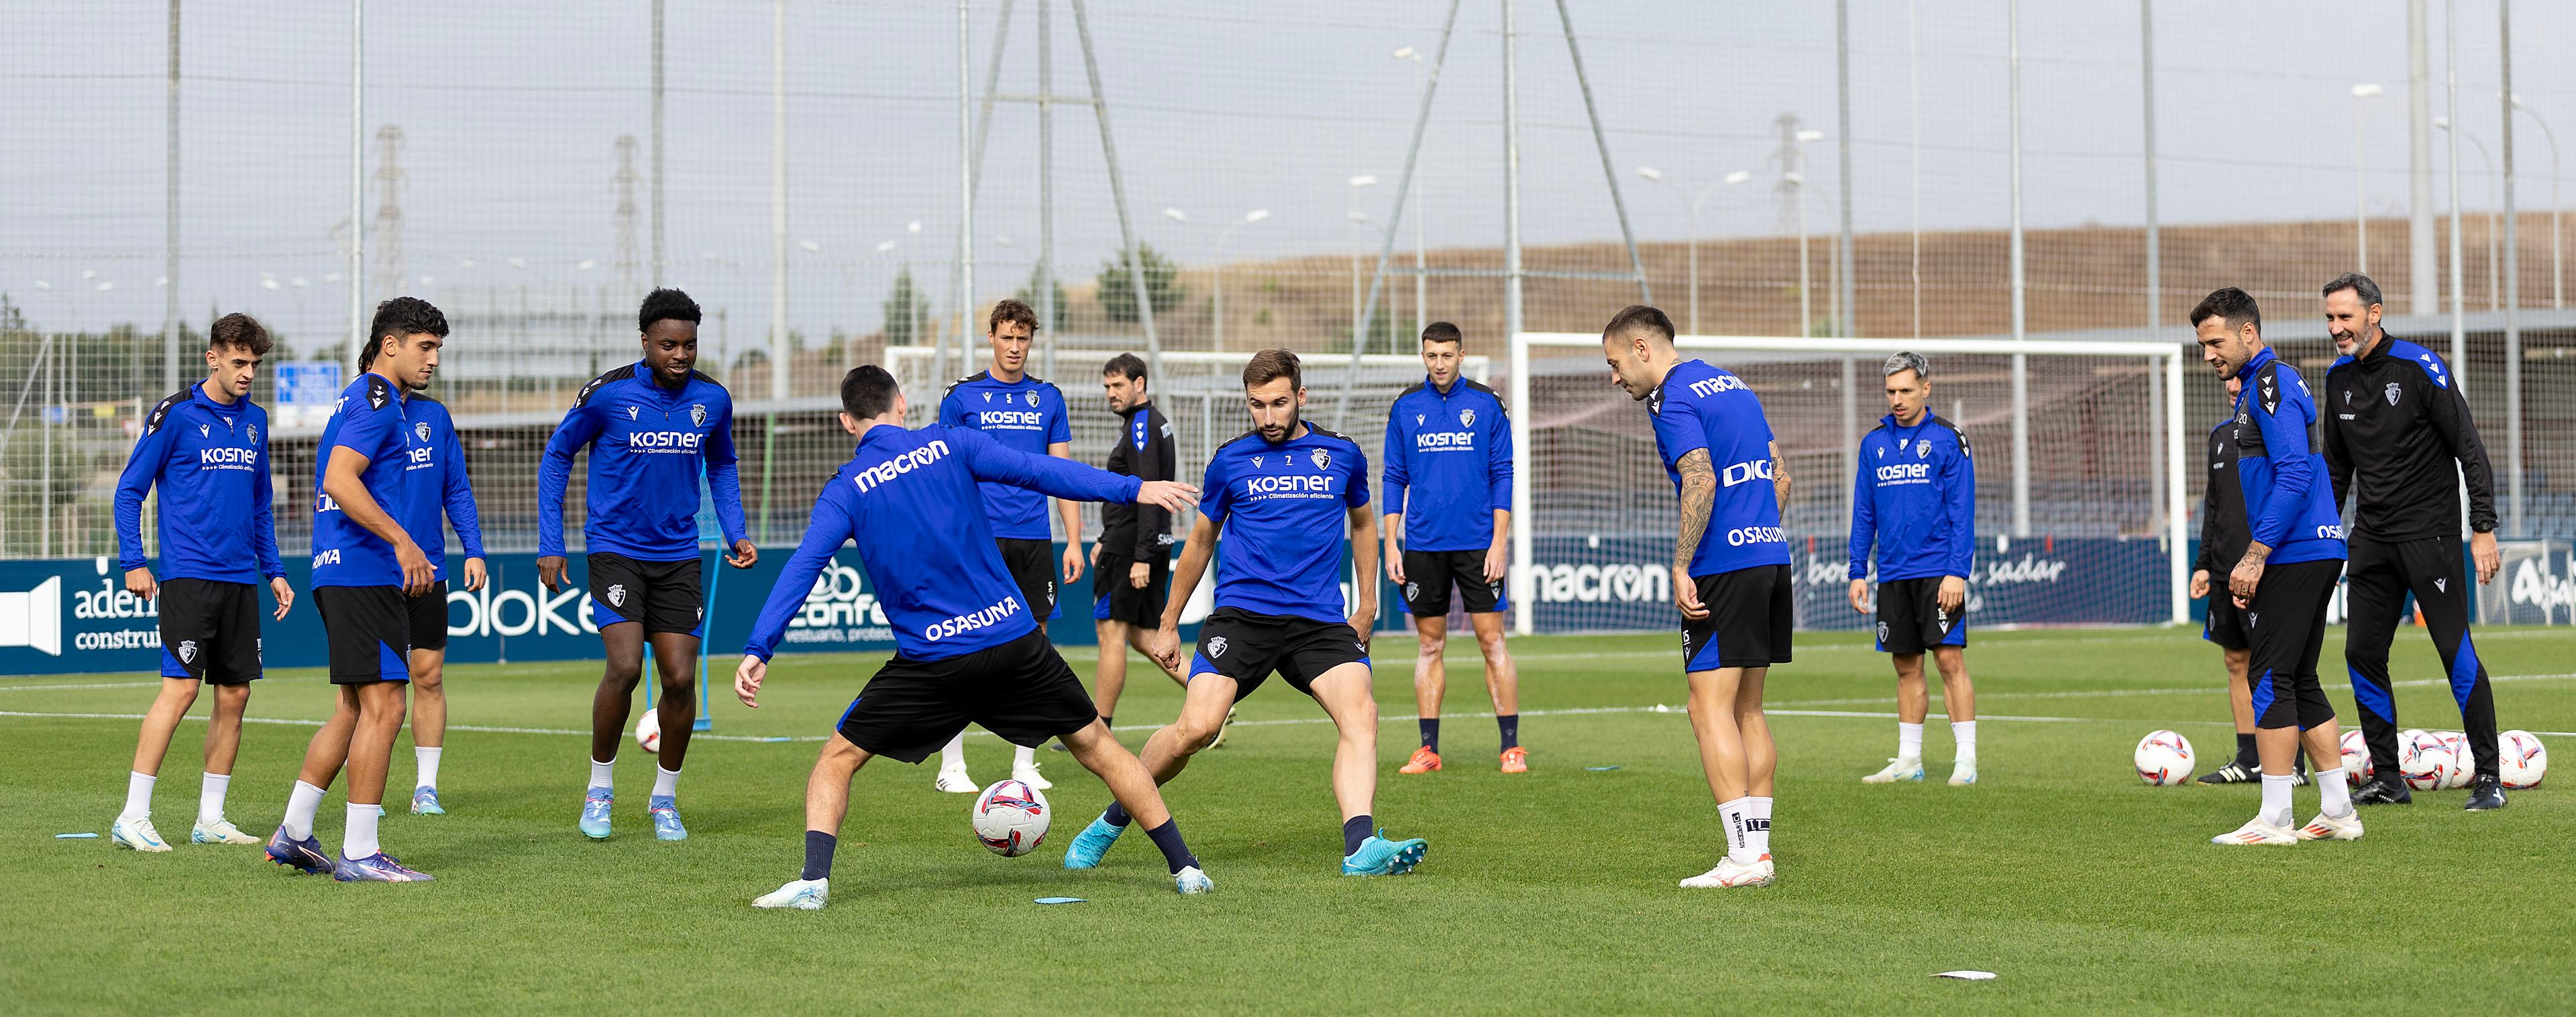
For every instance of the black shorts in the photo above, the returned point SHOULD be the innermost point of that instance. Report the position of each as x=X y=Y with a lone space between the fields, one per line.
x=369 y=629
x=1031 y=564
x=1247 y=647
x=2286 y=623
x=428 y=616
x=1114 y=600
x=209 y=631
x=666 y=596
x=1429 y=574
x=1910 y=619
x=1750 y=613
x=1020 y=690
x=2226 y=623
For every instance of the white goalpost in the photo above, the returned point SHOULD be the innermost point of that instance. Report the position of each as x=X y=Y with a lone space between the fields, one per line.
x=2084 y=510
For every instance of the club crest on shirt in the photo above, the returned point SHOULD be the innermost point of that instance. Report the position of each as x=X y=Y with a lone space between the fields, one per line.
x=1412 y=591
x=617 y=595
x=1216 y=647
x=697 y=414
x=1323 y=460
x=1923 y=448
x=1033 y=397
x=1467 y=417
x=421 y=428
x=253 y=431
x=187 y=651
x=2392 y=391
x=1882 y=632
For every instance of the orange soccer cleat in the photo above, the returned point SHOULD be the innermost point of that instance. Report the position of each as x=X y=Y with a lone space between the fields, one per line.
x=1424 y=761
x=1516 y=760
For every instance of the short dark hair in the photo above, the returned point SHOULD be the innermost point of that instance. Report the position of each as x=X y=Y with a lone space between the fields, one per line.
x=1443 y=332
x=1636 y=317
x=2233 y=305
x=867 y=391
x=401 y=316
x=1014 y=311
x=667 y=304
x=1271 y=365
x=2359 y=284
x=242 y=331
x=1127 y=364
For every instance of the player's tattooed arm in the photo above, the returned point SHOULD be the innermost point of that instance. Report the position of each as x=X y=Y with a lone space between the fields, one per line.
x=1698 y=495
x=1780 y=476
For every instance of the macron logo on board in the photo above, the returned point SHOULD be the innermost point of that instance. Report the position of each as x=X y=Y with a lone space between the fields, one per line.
x=34 y=618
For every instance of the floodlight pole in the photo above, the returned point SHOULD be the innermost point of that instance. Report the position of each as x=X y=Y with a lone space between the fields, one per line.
x=2512 y=277
x=2020 y=303
x=357 y=179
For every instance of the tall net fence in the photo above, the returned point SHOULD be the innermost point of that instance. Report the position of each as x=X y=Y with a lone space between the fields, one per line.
x=800 y=168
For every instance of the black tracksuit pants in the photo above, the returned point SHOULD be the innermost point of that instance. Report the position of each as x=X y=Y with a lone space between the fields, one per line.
x=2376 y=581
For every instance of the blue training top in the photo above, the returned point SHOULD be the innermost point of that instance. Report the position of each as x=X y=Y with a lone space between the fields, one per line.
x=1916 y=495
x=1025 y=415
x=652 y=443
x=1448 y=465
x=437 y=487
x=368 y=421
x=905 y=497
x=2289 y=504
x=210 y=461
x=1284 y=509
x=1704 y=407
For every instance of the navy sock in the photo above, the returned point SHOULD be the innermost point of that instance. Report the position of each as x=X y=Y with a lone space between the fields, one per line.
x=1168 y=837
x=2245 y=752
x=1511 y=725
x=1116 y=815
x=1355 y=830
x=1105 y=721
x=1430 y=733
x=818 y=854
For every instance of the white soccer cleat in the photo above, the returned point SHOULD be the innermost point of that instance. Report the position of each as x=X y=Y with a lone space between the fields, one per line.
x=1029 y=775
x=800 y=894
x=1900 y=768
x=2257 y=832
x=2326 y=827
x=137 y=833
x=1192 y=881
x=956 y=782
x=221 y=831
x=1963 y=772
x=1731 y=873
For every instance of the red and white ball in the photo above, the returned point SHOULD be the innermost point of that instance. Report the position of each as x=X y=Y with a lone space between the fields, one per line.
x=1011 y=818
x=648 y=731
x=2357 y=767
x=2526 y=761
x=2164 y=758
x=2425 y=759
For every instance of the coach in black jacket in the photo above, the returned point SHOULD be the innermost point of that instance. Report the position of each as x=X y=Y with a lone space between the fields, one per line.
x=2395 y=424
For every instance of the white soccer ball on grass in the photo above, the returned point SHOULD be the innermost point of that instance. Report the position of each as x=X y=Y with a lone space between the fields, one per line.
x=2164 y=758
x=2526 y=761
x=2424 y=759
x=1011 y=818
x=2357 y=767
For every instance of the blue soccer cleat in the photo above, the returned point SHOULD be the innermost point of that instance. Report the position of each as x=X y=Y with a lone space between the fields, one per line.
x=594 y=812
x=1379 y=856
x=666 y=818
x=1093 y=842
x=424 y=802
x=304 y=856
x=376 y=868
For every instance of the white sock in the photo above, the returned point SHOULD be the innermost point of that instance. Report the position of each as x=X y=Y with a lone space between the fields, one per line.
x=666 y=783
x=1757 y=824
x=210 y=798
x=427 y=757
x=1738 y=840
x=603 y=774
x=300 y=807
x=2330 y=787
x=138 y=796
x=1909 y=740
x=952 y=756
x=2276 y=800
x=1023 y=758
x=359 y=840
x=1966 y=732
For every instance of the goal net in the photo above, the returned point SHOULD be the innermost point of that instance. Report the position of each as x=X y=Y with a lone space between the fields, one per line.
x=2085 y=511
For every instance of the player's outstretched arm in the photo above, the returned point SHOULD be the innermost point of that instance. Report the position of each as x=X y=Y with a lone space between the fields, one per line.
x=1195 y=553
x=1698 y=496
x=992 y=461
x=830 y=526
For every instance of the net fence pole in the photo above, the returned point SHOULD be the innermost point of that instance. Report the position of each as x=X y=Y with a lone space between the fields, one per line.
x=2147 y=108
x=170 y=217
x=965 y=191
x=2177 y=507
x=1524 y=482
x=2512 y=277
x=658 y=258
x=2020 y=304
x=1117 y=198
x=357 y=178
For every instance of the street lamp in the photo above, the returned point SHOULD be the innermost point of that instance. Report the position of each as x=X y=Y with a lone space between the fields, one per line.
x=2360 y=197
x=1421 y=281
x=1359 y=329
x=2557 y=247
x=2495 y=221
x=1806 y=300
x=1692 y=201
x=1216 y=313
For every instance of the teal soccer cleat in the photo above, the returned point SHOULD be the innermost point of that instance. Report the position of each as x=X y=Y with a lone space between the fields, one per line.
x=594 y=812
x=666 y=819
x=1379 y=856
x=1093 y=842
x=424 y=802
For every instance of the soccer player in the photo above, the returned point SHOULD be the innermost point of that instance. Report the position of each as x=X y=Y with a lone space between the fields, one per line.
x=967 y=649
x=1131 y=564
x=1449 y=499
x=2222 y=543
x=1730 y=570
x=364 y=566
x=2397 y=430
x=207 y=450
x=657 y=425
x=2293 y=554
x=1915 y=495
x=435 y=493
x=1027 y=414
x=1282 y=494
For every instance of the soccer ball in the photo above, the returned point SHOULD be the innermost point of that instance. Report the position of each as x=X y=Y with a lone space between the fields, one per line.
x=1011 y=818
x=2164 y=759
x=2525 y=759
x=2424 y=759
x=648 y=731
x=2357 y=767
x=2464 y=760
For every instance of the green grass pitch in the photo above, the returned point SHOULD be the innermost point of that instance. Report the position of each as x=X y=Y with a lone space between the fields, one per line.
x=1549 y=892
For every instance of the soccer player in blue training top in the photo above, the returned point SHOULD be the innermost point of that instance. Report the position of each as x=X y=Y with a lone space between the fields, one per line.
x=435 y=494
x=2222 y=543
x=967 y=649
x=1283 y=495
x=1027 y=414
x=364 y=566
x=207 y=450
x=655 y=425
x=1730 y=570
x=1449 y=498
x=2293 y=556
x=1915 y=496
x=1131 y=564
